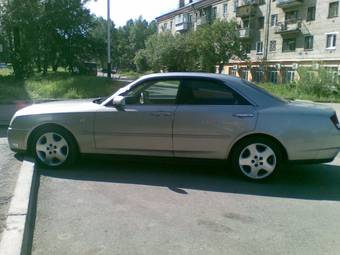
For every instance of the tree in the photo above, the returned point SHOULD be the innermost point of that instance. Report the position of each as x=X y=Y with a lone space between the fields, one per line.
x=169 y=52
x=217 y=44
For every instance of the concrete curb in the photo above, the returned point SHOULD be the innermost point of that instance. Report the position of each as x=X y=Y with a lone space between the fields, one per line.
x=15 y=238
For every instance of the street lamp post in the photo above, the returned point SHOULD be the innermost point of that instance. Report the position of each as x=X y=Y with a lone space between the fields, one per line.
x=108 y=40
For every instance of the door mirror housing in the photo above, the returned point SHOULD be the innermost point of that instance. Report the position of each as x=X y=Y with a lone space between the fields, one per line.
x=119 y=101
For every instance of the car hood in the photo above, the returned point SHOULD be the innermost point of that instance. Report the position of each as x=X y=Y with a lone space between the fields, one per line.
x=69 y=106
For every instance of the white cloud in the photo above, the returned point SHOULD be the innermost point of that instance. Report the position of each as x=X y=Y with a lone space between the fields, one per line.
x=123 y=10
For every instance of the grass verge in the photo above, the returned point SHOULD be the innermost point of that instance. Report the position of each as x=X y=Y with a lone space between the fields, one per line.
x=295 y=91
x=56 y=85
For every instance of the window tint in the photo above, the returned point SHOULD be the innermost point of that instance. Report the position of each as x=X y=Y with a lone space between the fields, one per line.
x=154 y=92
x=208 y=92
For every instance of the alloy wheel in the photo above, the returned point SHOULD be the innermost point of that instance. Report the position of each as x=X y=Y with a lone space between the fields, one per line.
x=52 y=149
x=257 y=161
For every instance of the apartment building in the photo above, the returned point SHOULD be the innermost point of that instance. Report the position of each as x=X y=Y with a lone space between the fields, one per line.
x=282 y=35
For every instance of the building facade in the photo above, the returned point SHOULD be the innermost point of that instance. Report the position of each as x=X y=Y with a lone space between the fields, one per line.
x=282 y=35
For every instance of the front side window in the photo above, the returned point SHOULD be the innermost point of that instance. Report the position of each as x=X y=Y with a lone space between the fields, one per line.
x=208 y=92
x=289 y=45
x=333 y=9
x=154 y=92
x=331 y=41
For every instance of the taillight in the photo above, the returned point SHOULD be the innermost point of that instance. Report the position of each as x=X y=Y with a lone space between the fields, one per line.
x=335 y=121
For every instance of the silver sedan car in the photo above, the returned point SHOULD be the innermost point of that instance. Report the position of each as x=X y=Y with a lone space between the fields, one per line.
x=193 y=115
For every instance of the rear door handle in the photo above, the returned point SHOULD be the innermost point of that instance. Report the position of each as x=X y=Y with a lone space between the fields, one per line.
x=244 y=115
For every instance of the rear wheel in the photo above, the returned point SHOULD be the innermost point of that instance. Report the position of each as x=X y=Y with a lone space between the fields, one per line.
x=256 y=158
x=53 y=147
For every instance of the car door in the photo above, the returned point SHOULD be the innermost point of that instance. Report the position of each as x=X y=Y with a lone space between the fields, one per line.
x=144 y=124
x=208 y=118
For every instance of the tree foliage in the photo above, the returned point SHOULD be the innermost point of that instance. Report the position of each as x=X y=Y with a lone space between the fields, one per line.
x=210 y=46
x=42 y=34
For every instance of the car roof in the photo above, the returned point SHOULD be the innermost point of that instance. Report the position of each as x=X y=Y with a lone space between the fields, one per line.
x=189 y=75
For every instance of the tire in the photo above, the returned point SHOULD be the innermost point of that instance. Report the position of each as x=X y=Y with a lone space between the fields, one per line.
x=53 y=147
x=256 y=159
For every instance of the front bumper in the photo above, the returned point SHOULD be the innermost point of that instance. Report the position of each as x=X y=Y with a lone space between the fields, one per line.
x=17 y=139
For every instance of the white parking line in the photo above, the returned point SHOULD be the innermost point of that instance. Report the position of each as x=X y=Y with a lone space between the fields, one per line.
x=18 y=213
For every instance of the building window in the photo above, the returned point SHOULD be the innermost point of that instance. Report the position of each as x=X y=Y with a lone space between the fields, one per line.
x=289 y=44
x=272 y=45
x=225 y=10
x=259 y=47
x=233 y=72
x=273 y=21
x=235 y=5
x=291 y=16
x=331 y=41
x=261 y=22
x=309 y=41
x=288 y=76
x=333 y=9
x=170 y=25
x=214 y=13
x=245 y=74
x=311 y=13
x=273 y=76
x=258 y=75
x=333 y=73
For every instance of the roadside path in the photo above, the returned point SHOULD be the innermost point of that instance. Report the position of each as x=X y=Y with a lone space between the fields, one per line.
x=9 y=169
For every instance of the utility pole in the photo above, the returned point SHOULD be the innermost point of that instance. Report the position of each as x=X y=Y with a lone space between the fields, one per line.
x=108 y=40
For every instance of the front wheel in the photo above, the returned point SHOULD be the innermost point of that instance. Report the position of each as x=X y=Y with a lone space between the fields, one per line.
x=256 y=158
x=53 y=147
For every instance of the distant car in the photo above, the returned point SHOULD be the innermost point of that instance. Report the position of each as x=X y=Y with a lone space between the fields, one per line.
x=192 y=115
x=3 y=65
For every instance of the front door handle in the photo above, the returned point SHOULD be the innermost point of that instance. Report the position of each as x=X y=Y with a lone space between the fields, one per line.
x=161 y=114
x=244 y=115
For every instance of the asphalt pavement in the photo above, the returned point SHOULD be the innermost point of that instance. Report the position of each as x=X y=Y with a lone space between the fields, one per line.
x=9 y=169
x=157 y=206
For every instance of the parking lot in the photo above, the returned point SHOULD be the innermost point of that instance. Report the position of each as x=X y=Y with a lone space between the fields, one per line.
x=164 y=206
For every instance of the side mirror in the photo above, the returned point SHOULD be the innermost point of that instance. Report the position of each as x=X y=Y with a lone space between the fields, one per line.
x=119 y=101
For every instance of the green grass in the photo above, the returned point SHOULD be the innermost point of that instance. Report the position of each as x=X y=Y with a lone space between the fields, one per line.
x=298 y=91
x=131 y=74
x=55 y=86
x=63 y=85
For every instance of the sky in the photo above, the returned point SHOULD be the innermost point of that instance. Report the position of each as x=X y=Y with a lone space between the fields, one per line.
x=123 y=10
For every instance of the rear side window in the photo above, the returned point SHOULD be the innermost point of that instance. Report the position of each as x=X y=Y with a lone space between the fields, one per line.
x=208 y=92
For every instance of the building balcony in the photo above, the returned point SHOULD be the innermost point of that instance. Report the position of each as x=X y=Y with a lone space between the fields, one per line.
x=182 y=27
x=202 y=21
x=289 y=27
x=244 y=33
x=245 y=11
x=288 y=3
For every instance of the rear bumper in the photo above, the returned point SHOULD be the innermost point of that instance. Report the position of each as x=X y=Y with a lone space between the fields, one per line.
x=17 y=139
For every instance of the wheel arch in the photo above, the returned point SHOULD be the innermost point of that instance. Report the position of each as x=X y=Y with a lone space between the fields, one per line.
x=282 y=148
x=45 y=125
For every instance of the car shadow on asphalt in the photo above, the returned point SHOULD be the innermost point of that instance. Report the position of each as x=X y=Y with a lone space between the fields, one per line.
x=312 y=182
